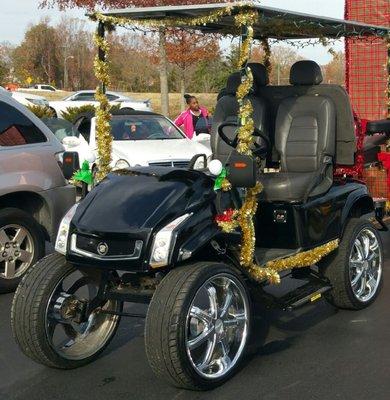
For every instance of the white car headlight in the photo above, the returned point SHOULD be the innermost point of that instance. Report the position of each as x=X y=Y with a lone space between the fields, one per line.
x=122 y=164
x=63 y=231
x=162 y=242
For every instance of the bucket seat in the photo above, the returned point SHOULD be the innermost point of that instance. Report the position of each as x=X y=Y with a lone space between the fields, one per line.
x=305 y=140
x=227 y=109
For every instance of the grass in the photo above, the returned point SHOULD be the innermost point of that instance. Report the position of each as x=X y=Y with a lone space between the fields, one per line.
x=207 y=100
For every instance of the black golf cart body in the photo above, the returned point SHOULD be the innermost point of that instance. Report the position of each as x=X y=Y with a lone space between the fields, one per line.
x=114 y=236
x=144 y=200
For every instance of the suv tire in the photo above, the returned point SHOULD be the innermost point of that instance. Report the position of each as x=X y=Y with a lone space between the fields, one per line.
x=12 y=219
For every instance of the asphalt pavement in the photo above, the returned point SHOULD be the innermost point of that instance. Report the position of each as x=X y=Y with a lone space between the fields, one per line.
x=313 y=353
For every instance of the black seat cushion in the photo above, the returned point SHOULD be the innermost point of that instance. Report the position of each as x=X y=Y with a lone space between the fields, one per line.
x=305 y=139
x=286 y=186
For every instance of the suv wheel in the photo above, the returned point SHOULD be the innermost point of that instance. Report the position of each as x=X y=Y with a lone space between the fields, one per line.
x=22 y=244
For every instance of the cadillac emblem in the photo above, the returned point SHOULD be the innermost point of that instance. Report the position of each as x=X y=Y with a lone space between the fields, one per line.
x=102 y=248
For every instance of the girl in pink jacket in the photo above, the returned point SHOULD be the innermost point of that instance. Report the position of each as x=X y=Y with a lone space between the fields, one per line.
x=189 y=118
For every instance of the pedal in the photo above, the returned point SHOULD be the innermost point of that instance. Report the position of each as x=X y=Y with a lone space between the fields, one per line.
x=308 y=293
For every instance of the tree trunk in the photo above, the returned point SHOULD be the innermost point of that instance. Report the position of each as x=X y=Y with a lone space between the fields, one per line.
x=163 y=73
x=182 y=88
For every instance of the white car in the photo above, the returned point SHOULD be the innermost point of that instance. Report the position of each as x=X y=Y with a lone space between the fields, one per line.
x=139 y=139
x=39 y=88
x=29 y=99
x=85 y=97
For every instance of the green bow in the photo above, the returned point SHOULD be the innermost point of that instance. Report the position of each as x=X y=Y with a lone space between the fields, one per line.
x=84 y=174
x=219 y=179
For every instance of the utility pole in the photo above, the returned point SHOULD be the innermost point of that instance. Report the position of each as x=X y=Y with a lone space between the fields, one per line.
x=66 y=70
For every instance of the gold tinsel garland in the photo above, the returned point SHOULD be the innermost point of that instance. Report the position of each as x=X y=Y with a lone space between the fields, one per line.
x=103 y=117
x=103 y=131
x=242 y=218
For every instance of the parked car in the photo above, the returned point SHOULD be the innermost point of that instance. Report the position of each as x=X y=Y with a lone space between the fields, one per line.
x=140 y=138
x=29 y=99
x=41 y=88
x=85 y=97
x=33 y=192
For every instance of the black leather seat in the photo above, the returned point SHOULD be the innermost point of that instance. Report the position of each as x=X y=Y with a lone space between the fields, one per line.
x=227 y=109
x=305 y=140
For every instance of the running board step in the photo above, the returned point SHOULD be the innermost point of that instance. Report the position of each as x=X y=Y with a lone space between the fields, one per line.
x=308 y=293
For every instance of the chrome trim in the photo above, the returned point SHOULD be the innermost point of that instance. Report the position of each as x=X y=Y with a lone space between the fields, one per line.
x=134 y=256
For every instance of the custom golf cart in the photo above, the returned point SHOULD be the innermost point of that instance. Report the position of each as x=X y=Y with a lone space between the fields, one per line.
x=203 y=246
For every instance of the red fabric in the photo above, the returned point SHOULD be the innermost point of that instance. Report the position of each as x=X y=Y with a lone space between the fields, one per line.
x=185 y=120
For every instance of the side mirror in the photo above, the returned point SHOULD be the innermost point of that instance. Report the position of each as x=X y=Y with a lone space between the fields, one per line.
x=70 y=163
x=242 y=171
x=381 y=126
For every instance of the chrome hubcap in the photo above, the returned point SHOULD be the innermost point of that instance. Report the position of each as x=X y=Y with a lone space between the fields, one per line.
x=217 y=326
x=71 y=337
x=16 y=251
x=365 y=265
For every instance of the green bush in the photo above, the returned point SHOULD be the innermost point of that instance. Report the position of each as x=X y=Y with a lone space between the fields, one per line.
x=71 y=113
x=41 y=112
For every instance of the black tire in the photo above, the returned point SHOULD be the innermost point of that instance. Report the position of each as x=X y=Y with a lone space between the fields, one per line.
x=11 y=216
x=28 y=313
x=166 y=324
x=335 y=267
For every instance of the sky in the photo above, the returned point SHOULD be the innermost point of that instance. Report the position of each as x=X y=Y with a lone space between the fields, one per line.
x=17 y=15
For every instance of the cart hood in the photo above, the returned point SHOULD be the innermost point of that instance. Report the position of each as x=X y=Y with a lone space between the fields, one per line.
x=139 y=200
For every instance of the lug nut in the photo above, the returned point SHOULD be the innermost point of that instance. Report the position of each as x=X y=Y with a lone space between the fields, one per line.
x=15 y=244
x=17 y=253
x=10 y=259
x=5 y=254
x=7 y=246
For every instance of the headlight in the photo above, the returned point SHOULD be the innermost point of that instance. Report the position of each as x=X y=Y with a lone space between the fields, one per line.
x=63 y=231
x=162 y=242
x=199 y=163
x=122 y=164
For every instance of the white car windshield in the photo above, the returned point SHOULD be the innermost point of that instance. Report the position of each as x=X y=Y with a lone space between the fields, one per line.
x=143 y=127
x=60 y=127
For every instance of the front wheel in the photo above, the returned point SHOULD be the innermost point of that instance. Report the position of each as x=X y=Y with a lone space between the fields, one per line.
x=197 y=325
x=57 y=317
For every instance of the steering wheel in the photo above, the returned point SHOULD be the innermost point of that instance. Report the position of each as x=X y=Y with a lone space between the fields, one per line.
x=260 y=150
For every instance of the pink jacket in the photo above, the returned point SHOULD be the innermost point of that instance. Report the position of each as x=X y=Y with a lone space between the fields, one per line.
x=185 y=120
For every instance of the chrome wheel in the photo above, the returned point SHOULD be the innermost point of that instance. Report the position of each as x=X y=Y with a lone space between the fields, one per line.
x=74 y=332
x=217 y=326
x=16 y=251
x=365 y=265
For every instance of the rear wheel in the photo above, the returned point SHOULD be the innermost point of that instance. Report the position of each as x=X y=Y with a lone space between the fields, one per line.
x=57 y=318
x=198 y=325
x=355 y=269
x=21 y=244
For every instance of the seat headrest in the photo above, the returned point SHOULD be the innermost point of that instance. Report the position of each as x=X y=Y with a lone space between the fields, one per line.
x=260 y=75
x=232 y=84
x=305 y=73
